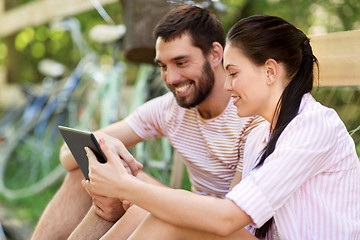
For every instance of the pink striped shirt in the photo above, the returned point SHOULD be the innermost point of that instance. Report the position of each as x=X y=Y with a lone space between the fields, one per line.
x=310 y=183
x=212 y=148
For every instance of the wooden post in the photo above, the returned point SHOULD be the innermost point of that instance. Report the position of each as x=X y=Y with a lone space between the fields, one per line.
x=177 y=170
x=2 y=7
x=12 y=69
x=339 y=57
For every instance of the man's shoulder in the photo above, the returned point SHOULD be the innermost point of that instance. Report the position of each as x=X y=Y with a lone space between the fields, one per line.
x=163 y=102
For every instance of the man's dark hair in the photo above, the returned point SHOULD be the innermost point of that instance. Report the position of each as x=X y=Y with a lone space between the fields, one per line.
x=202 y=26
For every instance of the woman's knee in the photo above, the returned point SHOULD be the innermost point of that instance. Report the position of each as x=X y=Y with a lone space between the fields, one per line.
x=154 y=228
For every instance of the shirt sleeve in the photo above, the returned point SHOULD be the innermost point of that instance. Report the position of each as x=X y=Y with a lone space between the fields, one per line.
x=301 y=152
x=148 y=120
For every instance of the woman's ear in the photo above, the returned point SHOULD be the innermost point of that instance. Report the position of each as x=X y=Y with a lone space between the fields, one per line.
x=271 y=70
x=216 y=54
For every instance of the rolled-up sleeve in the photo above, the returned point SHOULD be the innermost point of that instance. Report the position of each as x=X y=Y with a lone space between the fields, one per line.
x=243 y=195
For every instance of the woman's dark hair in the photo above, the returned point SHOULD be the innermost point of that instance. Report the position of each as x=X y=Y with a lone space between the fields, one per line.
x=266 y=37
x=203 y=27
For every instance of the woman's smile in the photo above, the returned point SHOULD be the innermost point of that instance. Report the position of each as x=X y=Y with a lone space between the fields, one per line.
x=235 y=99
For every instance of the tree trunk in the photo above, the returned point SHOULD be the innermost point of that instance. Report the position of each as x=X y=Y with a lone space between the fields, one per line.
x=141 y=17
x=13 y=56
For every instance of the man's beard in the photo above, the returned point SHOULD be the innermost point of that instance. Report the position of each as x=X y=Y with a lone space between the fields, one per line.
x=203 y=88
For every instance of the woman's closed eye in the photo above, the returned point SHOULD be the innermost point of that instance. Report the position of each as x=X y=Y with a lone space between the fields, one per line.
x=232 y=75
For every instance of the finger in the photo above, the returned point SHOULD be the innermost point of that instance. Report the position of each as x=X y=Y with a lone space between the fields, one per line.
x=87 y=186
x=107 y=151
x=140 y=165
x=126 y=205
x=83 y=182
x=98 y=203
x=124 y=154
x=130 y=161
x=98 y=211
x=91 y=158
x=128 y=170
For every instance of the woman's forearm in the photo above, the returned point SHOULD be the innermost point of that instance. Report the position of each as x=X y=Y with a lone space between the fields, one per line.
x=186 y=209
x=179 y=207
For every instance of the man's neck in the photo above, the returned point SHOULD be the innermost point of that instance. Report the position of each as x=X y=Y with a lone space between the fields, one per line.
x=217 y=100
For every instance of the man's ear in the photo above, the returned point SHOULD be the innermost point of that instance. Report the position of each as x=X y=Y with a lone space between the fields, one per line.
x=216 y=54
x=271 y=70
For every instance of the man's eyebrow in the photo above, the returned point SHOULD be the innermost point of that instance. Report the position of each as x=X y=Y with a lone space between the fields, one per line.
x=157 y=61
x=179 y=57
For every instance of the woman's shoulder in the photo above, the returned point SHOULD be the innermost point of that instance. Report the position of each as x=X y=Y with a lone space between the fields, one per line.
x=313 y=112
x=317 y=121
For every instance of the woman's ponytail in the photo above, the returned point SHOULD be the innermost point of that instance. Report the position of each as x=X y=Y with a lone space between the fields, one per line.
x=261 y=38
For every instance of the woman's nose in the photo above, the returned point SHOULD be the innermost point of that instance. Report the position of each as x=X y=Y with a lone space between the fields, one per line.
x=228 y=85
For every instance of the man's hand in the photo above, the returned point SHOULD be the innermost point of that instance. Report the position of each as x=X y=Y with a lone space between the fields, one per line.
x=110 y=209
x=118 y=148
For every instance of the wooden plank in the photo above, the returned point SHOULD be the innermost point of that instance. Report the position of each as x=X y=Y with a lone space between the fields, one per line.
x=339 y=58
x=177 y=170
x=2 y=7
x=41 y=12
x=9 y=93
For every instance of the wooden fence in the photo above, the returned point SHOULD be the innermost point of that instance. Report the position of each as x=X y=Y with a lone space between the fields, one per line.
x=339 y=57
x=41 y=12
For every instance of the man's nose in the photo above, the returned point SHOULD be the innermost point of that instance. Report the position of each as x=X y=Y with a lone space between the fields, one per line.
x=172 y=76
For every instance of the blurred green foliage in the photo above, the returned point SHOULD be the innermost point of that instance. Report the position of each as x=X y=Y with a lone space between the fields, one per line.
x=36 y=43
x=311 y=16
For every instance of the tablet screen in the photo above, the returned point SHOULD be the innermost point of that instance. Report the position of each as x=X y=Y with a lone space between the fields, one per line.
x=77 y=140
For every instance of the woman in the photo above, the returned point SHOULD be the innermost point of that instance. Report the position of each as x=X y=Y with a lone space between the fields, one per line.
x=301 y=171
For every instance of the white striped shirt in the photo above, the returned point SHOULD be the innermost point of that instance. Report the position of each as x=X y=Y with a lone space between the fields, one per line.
x=211 y=148
x=310 y=183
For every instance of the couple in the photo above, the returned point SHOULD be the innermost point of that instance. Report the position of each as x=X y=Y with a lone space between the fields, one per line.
x=299 y=168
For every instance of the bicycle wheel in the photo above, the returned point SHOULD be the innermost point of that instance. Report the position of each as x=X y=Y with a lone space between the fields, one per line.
x=29 y=158
x=29 y=163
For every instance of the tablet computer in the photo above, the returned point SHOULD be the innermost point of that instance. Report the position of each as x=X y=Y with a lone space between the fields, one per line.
x=77 y=140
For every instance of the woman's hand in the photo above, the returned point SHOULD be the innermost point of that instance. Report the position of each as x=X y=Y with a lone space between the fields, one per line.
x=106 y=179
x=119 y=149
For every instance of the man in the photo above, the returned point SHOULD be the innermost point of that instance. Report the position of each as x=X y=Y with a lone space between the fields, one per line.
x=198 y=118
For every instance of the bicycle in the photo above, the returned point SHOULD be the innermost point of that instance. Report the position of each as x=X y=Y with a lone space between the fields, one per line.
x=23 y=176
x=26 y=175
x=155 y=154
x=108 y=85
